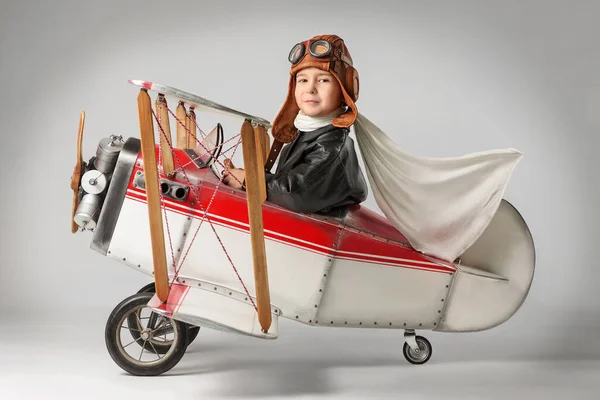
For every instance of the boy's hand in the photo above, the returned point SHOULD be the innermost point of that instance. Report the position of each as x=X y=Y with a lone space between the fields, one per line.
x=232 y=176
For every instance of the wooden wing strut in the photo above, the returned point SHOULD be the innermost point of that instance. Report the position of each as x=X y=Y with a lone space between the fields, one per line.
x=253 y=149
x=159 y=256
x=165 y=138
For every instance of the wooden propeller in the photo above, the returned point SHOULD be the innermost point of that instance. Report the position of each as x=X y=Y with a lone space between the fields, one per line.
x=77 y=172
x=253 y=146
x=157 y=237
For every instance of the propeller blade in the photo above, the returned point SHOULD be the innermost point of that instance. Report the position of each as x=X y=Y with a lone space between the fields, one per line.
x=76 y=176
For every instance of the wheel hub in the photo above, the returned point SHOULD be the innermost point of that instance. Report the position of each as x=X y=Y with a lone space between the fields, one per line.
x=146 y=334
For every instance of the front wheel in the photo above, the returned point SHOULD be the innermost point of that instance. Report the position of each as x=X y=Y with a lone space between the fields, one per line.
x=137 y=356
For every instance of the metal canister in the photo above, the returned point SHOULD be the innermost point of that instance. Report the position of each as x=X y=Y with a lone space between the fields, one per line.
x=107 y=153
x=88 y=211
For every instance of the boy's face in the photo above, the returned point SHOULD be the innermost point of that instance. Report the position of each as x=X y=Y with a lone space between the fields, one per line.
x=317 y=92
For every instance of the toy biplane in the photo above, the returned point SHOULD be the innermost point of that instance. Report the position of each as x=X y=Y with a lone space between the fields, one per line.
x=228 y=259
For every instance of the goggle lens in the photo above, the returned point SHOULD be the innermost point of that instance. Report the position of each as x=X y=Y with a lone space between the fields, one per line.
x=320 y=48
x=296 y=53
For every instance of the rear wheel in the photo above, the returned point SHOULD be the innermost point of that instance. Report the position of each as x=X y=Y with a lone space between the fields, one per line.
x=420 y=356
x=192 y=329
x=139 y=356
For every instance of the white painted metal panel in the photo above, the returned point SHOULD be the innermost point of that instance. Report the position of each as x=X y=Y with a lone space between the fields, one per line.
x=296 y=276
x=219 y=311
x=369 y=295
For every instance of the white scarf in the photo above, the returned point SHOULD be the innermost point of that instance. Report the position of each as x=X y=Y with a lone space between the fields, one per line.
x=305 y=123
x=441 y=205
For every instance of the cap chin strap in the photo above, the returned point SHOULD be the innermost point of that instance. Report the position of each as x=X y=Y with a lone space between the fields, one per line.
x=273 y=154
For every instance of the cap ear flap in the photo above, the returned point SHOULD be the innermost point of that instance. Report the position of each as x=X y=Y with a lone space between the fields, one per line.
x=346 y=119
x=352 y=83
x=283 y=125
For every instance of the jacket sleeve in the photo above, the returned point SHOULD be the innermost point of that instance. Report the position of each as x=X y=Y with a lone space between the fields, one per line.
x=314 y=184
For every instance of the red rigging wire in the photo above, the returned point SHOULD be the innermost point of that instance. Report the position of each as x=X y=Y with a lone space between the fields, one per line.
x=194 y=189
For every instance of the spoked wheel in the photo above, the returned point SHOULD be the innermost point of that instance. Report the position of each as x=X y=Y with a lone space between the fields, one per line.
x=133 y=347
x=192 y=329
x=422 y=355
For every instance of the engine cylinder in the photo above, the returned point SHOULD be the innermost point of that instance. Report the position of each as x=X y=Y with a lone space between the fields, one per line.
x=107 y=153
x=88 y=211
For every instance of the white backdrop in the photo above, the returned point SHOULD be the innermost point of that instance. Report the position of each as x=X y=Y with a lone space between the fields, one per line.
x=441 y=79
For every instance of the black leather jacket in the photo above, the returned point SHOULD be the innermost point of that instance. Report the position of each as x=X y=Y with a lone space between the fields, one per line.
x=317 y=172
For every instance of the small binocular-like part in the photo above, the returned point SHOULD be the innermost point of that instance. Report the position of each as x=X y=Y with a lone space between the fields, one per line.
x=169 y=189
x=174 y=190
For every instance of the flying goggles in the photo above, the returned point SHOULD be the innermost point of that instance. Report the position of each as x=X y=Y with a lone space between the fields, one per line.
x=319 y=49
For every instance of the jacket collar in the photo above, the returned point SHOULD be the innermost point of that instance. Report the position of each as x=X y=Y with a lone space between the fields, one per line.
x=310 y=136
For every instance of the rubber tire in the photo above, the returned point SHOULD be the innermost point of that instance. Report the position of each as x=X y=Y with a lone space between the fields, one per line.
x=113 y=328
x=424 y=345
x=192 y=329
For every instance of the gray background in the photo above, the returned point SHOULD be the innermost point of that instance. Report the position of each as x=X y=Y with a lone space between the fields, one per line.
x=440 y=78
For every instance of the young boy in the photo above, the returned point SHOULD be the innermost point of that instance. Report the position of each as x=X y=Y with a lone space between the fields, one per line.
x=318 y=170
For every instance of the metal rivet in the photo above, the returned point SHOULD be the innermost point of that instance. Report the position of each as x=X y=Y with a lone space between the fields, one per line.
x=310 y=320
x=320 y=290
x=434 y=324
x=332 y=322
x=324 y=274
x=215 y=288
x=124 y=258
x=246 y=299
x=345 y=322
x=360 y=323
x=390 y=324
x=183 y=281
x=316 y=322
x=296 y=317
x=139 y=265
x=405 y=324
x=446 y=285
x=442 y=300
x=230 y=293
x=199 y=284
x=420 y=324
x=109 y=252
x=375 y=323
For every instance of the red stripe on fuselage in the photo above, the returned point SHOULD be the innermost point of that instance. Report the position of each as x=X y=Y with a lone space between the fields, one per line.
x=300 y=232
